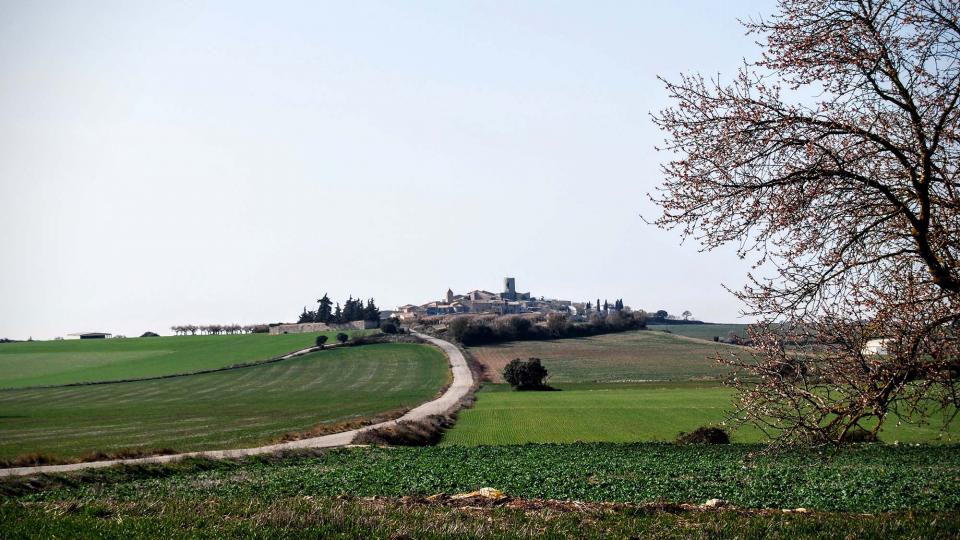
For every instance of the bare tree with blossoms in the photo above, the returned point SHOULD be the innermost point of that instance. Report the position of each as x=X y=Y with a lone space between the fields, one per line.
x=848 y=202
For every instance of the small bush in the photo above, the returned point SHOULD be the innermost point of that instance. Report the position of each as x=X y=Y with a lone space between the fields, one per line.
x=857 y=434
x=704 y=435
x=321 y=339
x=388 y=328
x=342 y=338
x=526 y=374
x=149 y=334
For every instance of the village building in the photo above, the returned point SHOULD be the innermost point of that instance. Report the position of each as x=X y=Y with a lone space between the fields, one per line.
x=89 y=335
x=480 y=301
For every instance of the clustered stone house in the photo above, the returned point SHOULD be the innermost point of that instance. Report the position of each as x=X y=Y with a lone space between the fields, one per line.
x=480 y=301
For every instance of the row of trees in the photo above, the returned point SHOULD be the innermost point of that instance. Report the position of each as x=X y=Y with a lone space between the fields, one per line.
x=354 y=309
x=663 y=315
x=218 y=329
x=617 y=305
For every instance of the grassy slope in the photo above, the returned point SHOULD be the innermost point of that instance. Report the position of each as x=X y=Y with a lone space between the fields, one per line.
x=619 y=413
x=69 y=361
x=701 y=331
x=627 y=356
x=232 y=408
x=594 y=406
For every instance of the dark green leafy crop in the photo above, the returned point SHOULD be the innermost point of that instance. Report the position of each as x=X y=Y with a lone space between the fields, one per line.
x=872 y=478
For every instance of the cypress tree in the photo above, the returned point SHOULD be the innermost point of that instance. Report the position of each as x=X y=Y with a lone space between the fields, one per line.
x=324 y=312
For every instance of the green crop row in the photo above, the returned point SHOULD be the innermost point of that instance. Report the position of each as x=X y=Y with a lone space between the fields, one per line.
x=870 y=478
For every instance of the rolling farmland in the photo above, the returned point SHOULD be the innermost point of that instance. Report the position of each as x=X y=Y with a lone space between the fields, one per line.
x=705 y=331
x=640 y=355
x=233 y=408
x=622 y=413
x=43 y=363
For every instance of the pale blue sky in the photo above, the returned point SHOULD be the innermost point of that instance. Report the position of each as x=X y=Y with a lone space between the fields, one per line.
x=176 y=162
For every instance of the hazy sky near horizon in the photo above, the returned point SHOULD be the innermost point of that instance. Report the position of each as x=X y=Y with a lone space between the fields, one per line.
x=178 y=162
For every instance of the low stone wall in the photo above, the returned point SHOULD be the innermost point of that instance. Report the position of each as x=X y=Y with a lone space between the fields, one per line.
x=307 y=328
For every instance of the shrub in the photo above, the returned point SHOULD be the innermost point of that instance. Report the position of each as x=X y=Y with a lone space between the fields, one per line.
x=426 y=432
x=342 y=338
x=388 y=328
x=457 y=327
x=704 y=435
x=857 y=434
x=526 y=374
x=321 y=339
x=149 y=334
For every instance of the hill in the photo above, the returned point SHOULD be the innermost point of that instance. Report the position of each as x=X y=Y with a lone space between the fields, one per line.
x=42 y=363
x=640 y=355
x=705 y=331
x=225 y=409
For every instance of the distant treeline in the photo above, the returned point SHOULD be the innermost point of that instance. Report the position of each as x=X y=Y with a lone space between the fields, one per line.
x=471 y=330
x=353 y=309
x=217 y=329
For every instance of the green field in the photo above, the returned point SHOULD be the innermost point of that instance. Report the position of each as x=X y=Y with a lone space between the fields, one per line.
x=225 y=409
x=705 y=331
x=42 y=363
x=867 y=478
x=620 y=413
x=641 y=355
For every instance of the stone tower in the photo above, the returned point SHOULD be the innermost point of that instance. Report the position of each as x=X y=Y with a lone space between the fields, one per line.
x=449 y=296
x=509 y=288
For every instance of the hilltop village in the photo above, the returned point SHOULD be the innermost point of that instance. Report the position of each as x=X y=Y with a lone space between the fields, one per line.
x=509 y=301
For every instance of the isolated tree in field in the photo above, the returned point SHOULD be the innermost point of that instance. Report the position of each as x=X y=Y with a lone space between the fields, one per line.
x=686 y=315
x=342 y=338
x=321 y=340
x=526 y=374
x=833 y=160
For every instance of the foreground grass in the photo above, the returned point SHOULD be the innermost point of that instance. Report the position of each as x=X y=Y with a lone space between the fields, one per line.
x=226 y=409
x=637 y=490
x=640 y=355
x=43 y=363
x=326 y=517
x=622 y=413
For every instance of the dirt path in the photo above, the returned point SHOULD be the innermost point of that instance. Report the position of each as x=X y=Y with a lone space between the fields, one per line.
x=462 y=381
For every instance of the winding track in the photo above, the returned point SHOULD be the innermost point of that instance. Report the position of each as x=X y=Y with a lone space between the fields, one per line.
x=462 y=382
